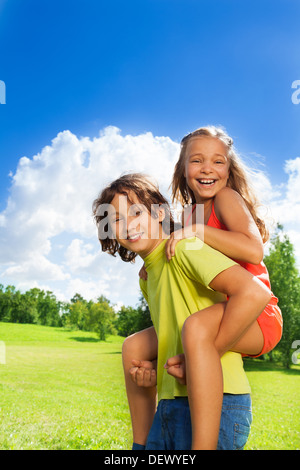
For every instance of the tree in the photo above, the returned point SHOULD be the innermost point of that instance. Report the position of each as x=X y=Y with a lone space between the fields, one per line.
x=47 y=306
x=144 y=317
x=127 y=321
x=285 y=282
x=130 y=319
x=77 y=314
x=6 y=302
x=101 y=318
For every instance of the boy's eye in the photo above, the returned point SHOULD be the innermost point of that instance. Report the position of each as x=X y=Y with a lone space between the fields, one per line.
x=115 y=220
x=135 y=210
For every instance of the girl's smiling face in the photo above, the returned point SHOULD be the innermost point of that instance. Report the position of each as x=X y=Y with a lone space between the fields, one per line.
x=206 y=167
x=133 y=226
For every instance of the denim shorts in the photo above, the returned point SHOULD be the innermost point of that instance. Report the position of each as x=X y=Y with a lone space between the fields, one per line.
x=171 y=428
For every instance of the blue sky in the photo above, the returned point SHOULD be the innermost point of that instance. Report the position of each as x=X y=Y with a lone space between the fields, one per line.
x=163 y=67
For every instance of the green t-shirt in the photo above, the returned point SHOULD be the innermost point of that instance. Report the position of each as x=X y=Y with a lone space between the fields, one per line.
x=176 y=289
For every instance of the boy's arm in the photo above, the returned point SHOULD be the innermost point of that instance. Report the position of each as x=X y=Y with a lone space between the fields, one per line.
x=248 y=297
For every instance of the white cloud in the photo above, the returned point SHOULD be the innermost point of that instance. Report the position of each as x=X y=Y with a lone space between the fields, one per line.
x=47 y=235
x=286 y=208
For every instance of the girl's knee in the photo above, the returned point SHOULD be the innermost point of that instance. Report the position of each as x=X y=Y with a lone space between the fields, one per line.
x=193 y=329
x=196 y=329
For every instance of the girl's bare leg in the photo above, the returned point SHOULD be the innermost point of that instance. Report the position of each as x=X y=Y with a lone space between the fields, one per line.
x=204 y=375
x=204 y=342
x=141 y=400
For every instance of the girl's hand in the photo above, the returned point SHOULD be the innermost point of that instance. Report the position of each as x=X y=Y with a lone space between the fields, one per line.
x=175 y=366
x=171 y=245
x=143 y=273
x=175 y=237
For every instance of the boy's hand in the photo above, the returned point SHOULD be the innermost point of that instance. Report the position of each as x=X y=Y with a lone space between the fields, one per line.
x=143 y=373
x=143 y=273
x=176 y=367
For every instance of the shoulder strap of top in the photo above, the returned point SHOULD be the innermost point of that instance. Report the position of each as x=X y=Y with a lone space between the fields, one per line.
x=213 y=220
x=190 y=215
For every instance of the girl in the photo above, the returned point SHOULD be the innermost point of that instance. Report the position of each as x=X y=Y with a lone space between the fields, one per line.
x=210 y=173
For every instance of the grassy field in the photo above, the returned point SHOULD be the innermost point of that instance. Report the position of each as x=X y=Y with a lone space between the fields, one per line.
x=64 y=390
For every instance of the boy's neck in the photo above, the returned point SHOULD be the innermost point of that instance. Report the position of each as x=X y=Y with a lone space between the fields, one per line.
x=162 y=236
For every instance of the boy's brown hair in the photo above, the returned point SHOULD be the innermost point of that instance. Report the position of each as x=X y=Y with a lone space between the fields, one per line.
x=147 y=194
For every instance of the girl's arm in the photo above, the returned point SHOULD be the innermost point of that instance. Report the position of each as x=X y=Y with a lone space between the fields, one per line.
x=242 y=241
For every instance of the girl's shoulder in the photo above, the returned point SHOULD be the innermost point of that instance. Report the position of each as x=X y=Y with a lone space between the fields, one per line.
x=228 y=196
x=227 y=193
x=228 y=200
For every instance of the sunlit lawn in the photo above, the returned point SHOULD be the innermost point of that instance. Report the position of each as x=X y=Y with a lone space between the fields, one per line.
x=64 y=390
x=276 y=406
x=61 y=390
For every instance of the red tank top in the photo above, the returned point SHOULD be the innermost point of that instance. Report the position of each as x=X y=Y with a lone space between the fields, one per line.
x=258 y=270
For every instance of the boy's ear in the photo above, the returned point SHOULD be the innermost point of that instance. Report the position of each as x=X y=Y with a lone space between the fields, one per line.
x=161 y=214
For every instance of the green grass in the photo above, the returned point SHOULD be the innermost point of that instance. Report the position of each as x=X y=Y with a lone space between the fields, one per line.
x=61 y=390
x=276 y=406
x=64 y=390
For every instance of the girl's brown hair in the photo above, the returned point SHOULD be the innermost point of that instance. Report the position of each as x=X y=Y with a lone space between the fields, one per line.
x=146 y=192
x=239 y=176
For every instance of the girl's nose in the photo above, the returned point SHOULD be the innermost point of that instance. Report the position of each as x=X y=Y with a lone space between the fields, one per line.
x=206 y=167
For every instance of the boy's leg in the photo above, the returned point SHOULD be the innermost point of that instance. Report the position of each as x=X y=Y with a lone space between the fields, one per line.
x=141 y=400
x=171 y=428
x=236 y=421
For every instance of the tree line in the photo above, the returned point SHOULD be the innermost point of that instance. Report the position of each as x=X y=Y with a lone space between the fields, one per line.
x=39 y=307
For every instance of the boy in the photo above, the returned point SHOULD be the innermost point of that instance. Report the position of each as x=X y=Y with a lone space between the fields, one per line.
x=191 y=282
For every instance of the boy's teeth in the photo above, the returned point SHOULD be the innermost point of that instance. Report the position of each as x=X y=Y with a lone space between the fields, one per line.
x=134 y=236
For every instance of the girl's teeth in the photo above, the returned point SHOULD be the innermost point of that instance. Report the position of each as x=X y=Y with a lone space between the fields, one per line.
x=207 y=181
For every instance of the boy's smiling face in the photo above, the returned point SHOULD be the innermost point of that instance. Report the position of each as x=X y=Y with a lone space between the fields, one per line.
x=133 y=226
